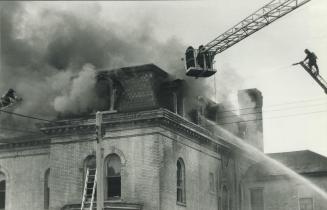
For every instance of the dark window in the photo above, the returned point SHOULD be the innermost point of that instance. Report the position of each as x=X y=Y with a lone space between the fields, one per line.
x=211 y=182
x=219 y=203
x=113 y=176
x=257 y=199
x=306 y=204
x=240 y=196
x=46 y=190
x=225 y=196
x=2 y=194
x=175 y=102
x=181 y=181
x=90 y=163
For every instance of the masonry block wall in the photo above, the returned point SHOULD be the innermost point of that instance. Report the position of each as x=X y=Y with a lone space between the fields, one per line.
x=24 y=169
x=140 y=156
x=67 y=155
x=149 y=167
x=138 y=150
x=251 y=129
x=149 y=140
x=199 y=163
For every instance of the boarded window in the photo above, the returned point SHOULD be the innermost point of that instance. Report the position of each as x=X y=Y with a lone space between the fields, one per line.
x=306 y=204
x=181 y=198
x=257 y=199
x=113 y=176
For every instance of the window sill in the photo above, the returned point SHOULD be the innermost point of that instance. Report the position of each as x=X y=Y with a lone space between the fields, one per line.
x=113 y=200
x=181 y=204
x=212 y=192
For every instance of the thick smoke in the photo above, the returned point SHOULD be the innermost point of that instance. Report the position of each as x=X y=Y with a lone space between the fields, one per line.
x=50 y=57
x=46 y=57
x=78 y=99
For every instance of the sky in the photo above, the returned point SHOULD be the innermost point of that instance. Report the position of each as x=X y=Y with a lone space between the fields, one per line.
x=295 y=107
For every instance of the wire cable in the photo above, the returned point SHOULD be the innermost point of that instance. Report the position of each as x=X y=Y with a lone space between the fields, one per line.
x=26 y=116
x=18 y=130
x=273 y=105
x=272 y=110
x=276 y=117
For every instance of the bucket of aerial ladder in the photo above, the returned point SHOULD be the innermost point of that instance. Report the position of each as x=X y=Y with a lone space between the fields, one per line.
x=199 y=62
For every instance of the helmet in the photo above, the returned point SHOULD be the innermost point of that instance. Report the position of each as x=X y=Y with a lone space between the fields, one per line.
x=11 y=90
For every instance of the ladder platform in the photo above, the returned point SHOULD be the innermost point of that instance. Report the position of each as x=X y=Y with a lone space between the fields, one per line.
x=200 y=72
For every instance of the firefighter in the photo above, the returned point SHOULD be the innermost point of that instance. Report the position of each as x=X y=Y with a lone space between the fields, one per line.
x=8 y=98
x=189 y=56
x=312 y=61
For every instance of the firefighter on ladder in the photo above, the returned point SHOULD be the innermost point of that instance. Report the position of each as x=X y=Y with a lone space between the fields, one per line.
x=312 y=61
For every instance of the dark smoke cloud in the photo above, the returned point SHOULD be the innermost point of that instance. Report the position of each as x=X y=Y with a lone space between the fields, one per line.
x=48 y=55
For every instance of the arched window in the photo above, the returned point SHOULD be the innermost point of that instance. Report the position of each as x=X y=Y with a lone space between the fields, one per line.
x=2 y=191
x=46 y=189
x=225 y=200
x=181 y=196
x=113 y=176
x=90 y=163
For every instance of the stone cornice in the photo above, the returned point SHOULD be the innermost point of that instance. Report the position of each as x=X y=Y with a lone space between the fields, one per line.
x=29 y=143
x=157 y=117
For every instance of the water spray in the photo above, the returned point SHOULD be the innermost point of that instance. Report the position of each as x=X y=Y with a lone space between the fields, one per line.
x=254 y=152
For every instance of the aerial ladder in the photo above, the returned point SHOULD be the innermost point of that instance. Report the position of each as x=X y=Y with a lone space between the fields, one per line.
x=199 y=62
x=321 y=82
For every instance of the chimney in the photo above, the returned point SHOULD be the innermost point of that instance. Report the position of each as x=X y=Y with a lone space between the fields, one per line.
x=250 y=129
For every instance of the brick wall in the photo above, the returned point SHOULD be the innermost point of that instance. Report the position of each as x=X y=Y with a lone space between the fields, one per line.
x=24 y=171
x=67 y=155
x=199 y=162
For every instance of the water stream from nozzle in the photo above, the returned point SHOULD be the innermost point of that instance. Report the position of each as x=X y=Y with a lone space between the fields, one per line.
x=260 y=156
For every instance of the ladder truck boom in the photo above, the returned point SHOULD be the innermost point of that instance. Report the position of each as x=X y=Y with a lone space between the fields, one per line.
x=199 y=62
x=253 y=23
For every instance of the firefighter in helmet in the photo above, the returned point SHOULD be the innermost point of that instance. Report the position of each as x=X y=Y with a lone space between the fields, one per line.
x=8 y=98
x=312 y=61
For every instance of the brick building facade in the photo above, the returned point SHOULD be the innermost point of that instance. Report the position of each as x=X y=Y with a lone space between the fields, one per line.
x=159 y=152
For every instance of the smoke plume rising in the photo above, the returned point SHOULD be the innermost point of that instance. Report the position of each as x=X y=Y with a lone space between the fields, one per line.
x=50 y=56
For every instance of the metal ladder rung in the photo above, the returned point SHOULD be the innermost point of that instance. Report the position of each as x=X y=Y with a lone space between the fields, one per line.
x=87 y=188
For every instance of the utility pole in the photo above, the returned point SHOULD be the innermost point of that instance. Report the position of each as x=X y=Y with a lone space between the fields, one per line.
x=99 y=161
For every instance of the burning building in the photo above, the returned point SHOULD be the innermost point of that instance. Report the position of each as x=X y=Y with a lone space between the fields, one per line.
x=161 y=149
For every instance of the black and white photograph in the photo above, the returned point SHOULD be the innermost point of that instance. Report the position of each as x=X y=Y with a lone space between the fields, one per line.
x=163 y=105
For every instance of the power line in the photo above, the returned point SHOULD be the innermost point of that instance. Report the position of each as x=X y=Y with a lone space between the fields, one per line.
x=292 y=102
x=273 y=110
x=272 y=105
x=26 y=116
x=18 y=130
x=277 y=117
